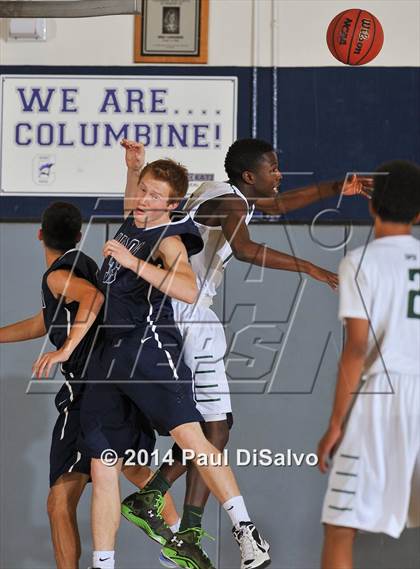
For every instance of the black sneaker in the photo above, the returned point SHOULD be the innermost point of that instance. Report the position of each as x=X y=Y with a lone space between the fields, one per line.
x=144 y=509
x=185 y=550
x=254 y=549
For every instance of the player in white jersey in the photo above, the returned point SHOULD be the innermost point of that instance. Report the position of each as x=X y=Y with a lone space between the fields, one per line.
x=222 y=211
x=374 y=483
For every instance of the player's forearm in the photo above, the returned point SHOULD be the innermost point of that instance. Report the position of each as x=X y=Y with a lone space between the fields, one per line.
x=130 y=189
x=296 y=199
x=176 y=284
x=350 y=371
x=263 y=256
x=89 y=308
x=28 y=329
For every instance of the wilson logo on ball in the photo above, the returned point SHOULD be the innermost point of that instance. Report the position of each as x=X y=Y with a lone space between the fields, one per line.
x=355 y=37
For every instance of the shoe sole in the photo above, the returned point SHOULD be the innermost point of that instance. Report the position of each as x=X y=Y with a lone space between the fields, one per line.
x=166 y=562
x=180 y=561
x=264 y=564
x=142 y=524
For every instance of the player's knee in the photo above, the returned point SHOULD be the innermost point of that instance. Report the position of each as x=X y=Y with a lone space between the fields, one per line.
x=52 y=505
x=138 y=475
x=189 y=436
x=177 y=453
x=60 y=506
x=217 y=433
x=102 y=474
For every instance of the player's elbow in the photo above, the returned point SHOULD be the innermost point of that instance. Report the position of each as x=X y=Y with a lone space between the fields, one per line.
x=356 y=349
x=191 y=293
x=101 y=299
x=95 y=299
x=241 y=252
x=240 y=255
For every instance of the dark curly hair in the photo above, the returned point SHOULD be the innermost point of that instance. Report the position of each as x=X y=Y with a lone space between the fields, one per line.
x=61 y=225
x=396 y=195
x=244 y=154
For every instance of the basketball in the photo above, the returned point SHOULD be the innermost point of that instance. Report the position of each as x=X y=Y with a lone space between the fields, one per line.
x=355 y=37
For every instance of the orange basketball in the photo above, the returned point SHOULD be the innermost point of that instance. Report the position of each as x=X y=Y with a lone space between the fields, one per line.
x=355 y=37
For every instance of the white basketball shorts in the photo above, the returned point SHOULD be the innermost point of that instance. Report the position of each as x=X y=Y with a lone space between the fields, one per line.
x=374 y=484
x=204 y=347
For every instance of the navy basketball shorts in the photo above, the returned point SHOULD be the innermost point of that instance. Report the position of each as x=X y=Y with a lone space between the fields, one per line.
x=67 y=454
x=143 y=367
x=64 y=454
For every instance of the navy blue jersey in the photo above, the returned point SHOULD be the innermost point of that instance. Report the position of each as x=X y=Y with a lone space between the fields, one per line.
x=131 y=302
x=59 y=316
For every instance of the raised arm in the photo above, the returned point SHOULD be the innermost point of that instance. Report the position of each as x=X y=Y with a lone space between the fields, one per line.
x=232 y=218
x=176 y=278
x=28 y=329
x=62 y=283
x=134 y=159
x=302 y=197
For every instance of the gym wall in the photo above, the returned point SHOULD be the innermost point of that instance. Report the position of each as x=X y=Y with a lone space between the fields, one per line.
x=232 y=30
x=330 y=118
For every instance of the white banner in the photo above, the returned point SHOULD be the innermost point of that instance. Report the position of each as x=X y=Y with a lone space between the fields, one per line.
x=60 y=134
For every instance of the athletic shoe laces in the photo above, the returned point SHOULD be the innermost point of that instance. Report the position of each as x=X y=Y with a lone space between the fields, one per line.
x=247 y=543
x=159 y=504
x=198 y=534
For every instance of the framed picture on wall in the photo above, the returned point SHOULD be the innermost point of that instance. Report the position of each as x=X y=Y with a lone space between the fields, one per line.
x=172 y=31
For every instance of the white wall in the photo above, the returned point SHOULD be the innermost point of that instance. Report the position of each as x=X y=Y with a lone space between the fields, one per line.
x=301 y=32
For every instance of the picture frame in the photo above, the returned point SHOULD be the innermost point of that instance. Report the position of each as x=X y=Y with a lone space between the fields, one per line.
x=172 y=31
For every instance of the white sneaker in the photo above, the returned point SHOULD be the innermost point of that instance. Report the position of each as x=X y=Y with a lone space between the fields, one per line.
x=166 y=562
x=254 y=549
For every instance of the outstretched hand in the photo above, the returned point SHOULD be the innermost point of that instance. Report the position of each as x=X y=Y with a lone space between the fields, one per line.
x=358 y=185
x=324 y=276
x=134 y=154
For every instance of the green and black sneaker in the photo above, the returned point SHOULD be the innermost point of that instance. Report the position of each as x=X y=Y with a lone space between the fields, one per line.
x=185 y=550
x=144 y=509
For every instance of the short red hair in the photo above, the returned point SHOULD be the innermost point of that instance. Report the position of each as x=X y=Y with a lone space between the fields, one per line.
x=166 y=170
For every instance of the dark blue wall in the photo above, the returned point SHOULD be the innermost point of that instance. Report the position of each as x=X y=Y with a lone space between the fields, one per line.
x=331 y=120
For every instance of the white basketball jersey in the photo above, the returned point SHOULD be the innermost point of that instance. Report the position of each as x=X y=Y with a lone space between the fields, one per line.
x=209 y=264
x=381 y=283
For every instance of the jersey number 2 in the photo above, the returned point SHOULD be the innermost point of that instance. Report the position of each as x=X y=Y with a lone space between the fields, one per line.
x=413 y=294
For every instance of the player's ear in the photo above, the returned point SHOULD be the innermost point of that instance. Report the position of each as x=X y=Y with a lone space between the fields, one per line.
x=78 y=238
x=248 y=177
x=40 y=235
x=416 y=219
x=173 y=203
x=372 y=210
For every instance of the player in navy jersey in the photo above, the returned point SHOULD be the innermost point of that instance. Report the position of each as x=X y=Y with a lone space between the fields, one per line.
x=71 y=303
x=222 y=211
x=140 y=358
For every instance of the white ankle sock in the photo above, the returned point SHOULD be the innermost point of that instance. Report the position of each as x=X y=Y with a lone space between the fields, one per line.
x=236 y=509
x=103 y=559
x=175 y=527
